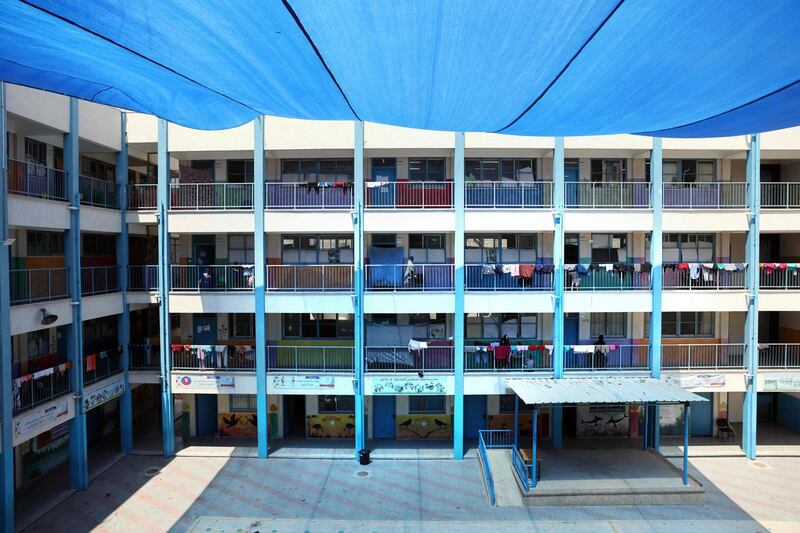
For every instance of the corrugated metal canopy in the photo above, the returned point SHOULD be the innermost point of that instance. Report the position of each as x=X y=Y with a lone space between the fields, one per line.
x=572 y=391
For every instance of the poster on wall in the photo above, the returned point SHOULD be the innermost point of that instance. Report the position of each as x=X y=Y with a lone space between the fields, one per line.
x=409 y=385
x=781 y=382
x=302 y=382
x=671 y=418
x=100 y=393
x=602 y=421
x=237 y=425
x=203 y=383
x=36 y=421
x=701 y=381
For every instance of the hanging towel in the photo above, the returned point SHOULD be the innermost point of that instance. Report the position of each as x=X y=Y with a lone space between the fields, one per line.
x=417 y=345
x=91 y=363
x=608 y=266
x=487 y=269
x=694 y=271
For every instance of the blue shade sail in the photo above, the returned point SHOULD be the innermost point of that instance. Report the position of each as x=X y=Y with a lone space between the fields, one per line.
x=682 y=68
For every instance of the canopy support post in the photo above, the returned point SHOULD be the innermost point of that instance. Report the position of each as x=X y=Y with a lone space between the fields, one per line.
x=358 y=283
x=259 y=271
x=656 y=256
x=686 y=443
x=458 y=319
x=533 y=445
x=752 y=253
x=516 y=420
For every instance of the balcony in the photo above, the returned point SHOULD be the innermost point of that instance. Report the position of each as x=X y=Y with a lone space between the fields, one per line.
x=717 y=195
x=779 y=276
x=98 y=193
x=480 y=359
x=301 y=196
x=212 y=278
x=292 y=359
x=38 y=285
x=607 y=195
x=238 y=357
x=778 y=356
x=420 y=277
x=508 y=277
x=780 y=195
x=143 y=357
x=39 y=387
x=143 y=278
x=99 y=280
x=508 y=194
x=610 y=277
x=402 y=359
x=618 y=358
x=316 y=278
x=211 y=196
x=408 y=195
x=704 y=276
x=100 y=366
x=36 y=181
x=702 y=356
x=142 y=197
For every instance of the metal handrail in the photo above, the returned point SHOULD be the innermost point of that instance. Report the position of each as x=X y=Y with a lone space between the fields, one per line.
x=36 y=388
x=705 y=195
x=142 y=196
x=297 y=278
x=143 y=278
x=143 y=357
x=523 y=468
x=508 y=194
x=625 y=357
x=302 y=196
x=220 y=278
x=29 y=285
x=100 y=367
x=777 y=279
x=419 y=277
x=401 y=359
x=779 y=355
x=477 y=359
x=408 y=194
x=607 y=194
x=200 y=357
x=38 y=181
x=607 y=280
x=485 y=277
x=310 y=358
x=784 y=195
x=702 y=356
x=215 y=195
x=704 y=279
x=99 y=193
x=487 y=439
x=99 y=280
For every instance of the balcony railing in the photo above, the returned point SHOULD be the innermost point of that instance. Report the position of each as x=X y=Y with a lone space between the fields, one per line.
x=716 y=195
x=200 y=196
x=99 y=280
x=143 y=357
x=481 y=359
x=420 y=277
x=402 y=359
x=408 y=194
x=601 y=279
x=39 y=387
x=778 y=276
x=775 y=355
x=702 y=356
x=618 y=358
x=515 y=277
x=310 y=358
x=100 y=365
x=607 y=194
x=143 y=278
x=142 y=196
x=300 y=278
x=38 y=285
x=780 y=195
x=99 y=193
x=220 y=278
x=200 y=357
x=39 y=181
x=508 y=194
x=698 y=277
x=300 y=196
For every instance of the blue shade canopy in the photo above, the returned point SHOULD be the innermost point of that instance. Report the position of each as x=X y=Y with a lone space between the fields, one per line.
x=681 y=68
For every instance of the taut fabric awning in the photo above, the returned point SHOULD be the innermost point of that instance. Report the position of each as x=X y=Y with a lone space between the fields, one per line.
x=573 y=391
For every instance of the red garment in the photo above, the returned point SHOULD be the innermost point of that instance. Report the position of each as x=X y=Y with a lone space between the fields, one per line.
x=91 y=362
x=502 y=352
x=683 y=266
x=526 y=271
x=177 y=347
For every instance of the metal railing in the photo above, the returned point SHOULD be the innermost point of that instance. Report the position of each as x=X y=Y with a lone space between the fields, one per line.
x=779 y=355
x=39 y=387
x=280 y=196
x=488 y=439
x=38 y=181
x=508 y=194
x=607 y=280
x=716 y=195
x=488 y=277
x=99 y=280
x=143 y=357
x=38 y=285
x=702 y=356
x=200 y=357
x=143 y=278
x=409 y=194
x=99 y=193
x=420 y=277
x=478 y=359
x=298 y=278
x=97 y=367
x=784 y=195
x=622 y=358
x=702 y=278
x=310 y=358
x=772 y=278
x=198 y=196
x=218 y=278
x=607 y=194
x=142 y=196
x=523 y=468
x=401 y=359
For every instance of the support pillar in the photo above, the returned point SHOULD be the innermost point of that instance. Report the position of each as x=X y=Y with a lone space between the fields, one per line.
x=686 y=443
x=534 y=446
x=78 y=458
x=516 y=420
x=752 y=252
x=558 y=258
x=458 y=319
x=656 y=255
x=358 y=284
x=165 y=337
x=124 y=319
x=260 y=258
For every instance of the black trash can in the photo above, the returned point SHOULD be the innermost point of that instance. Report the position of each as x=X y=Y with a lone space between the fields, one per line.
x=363 y=456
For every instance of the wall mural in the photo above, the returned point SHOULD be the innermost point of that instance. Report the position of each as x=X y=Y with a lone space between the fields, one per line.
x=602 y=421
x=424 y=426
x=331 y=426
x=237 y=425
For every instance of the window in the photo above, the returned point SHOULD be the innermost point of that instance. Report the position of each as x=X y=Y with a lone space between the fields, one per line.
x=686 y=170
x=242 y=325
x=610 y=325
x=242 y=403
x=336 y=404
x=311 y=249
x=500 y=169
x=38 y=343
x=428 y=325
x=426 y=404
x=241 y=249
x=605 y=170
x=427 y=248
x=495 y=325
x=35 y=152
x=503 y=248
x=95 y=168
x=684 y=324
x=314 y=170
x=384 y=240
x=98 y=245
x=317 y=326
x=240 y=171
x=45 y=243
x=99 y=333
x=688 y=247
x=609 y=247
x=426 y=170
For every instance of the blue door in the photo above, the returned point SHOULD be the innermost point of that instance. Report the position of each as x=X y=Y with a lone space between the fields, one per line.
x=571 y=177
x=571 y=325
x=701 y=416
x=474 y=415
x=385 y=170
x=204 y=329
x=206 y=413
x=383 y=409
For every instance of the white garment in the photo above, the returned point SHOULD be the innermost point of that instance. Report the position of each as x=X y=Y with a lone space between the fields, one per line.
x=694 y=271
x=376 y=184
x=608 y=266
x=583 y=348
x=417 y=345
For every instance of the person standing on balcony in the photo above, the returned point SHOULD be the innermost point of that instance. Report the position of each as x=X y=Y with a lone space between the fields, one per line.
x=205 y=279
x=600 y=351
x=408 y=274
x=502 y=353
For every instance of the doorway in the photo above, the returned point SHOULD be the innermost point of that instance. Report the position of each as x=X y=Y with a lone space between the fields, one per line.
x=294 y=417
x=204 y=251
x=571 y=249
x=383 y=417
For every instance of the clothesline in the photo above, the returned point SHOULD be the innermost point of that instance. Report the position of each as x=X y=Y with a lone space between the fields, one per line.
x=41 y=373
x=577 y=348
x=769 y=268
x=516 y=270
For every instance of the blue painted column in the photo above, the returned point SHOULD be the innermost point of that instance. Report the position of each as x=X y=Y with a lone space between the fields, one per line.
x=260 y=258
x=358 y=284
x=6 y=399
x=752 y=252
x=516 y=420
x=124 y=319
x=78 y=460
x=558 y=297
x=458 y=318
x=656 y=283
x=165 y=337
x=534 y=445
x=686 y=443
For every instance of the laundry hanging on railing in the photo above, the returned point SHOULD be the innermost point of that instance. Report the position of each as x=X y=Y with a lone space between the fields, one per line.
x=513 y=348
x=417 y=345
x=769 y=268
x=516 y=269
x=584 y=348
x=317 y=185
x=707 y=271
x=376 y=184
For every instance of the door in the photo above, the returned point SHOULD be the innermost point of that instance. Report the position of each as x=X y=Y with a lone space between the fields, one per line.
x=204 y=329
x=383 y=411
x=571 y=178
x=764 y=409
x=204 y=250
x=571 y=326
x=206 y=414
x=383 y=170
x=571 y=249
x=701 y=416
x=474 y=415
x=294 y=416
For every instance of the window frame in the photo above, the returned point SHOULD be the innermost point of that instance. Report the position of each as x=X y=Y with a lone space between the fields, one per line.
x=501 y=241
x=420 y=404
x=340 y=323
x=427 y=174
x=303 y=176
x=348 y=408
x=496 y=321
x=679 y=321
x=250 y=405
x=516 y=164
x=594 y=325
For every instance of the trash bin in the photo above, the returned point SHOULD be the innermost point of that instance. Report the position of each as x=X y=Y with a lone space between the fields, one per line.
x=363 y=457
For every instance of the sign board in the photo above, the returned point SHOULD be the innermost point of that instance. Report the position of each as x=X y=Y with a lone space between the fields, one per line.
x=301 y=382
x=42 y=418
x=701 y=380
x=207 y=383
x=100 y=393
x=409 y=385
x=781 y=382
